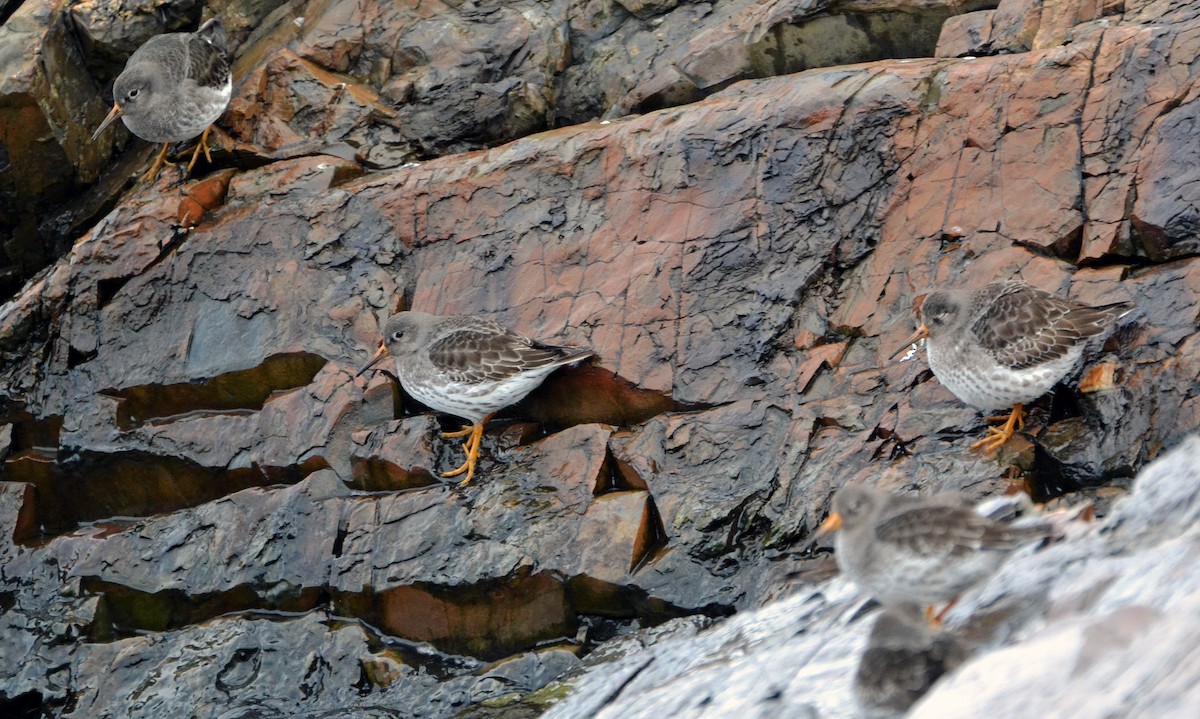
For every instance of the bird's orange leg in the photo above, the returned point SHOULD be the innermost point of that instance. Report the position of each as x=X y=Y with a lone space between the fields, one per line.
x=155 y=166
x=997 y=436
x=201 y=145
x=472 y=450
x=474 y=435
x=935 y=619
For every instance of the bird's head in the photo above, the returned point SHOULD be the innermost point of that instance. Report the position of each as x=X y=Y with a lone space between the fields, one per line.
x=131 y=91
x=404 y=333
x=852 y=505
x=133 y=87
x=942 y=312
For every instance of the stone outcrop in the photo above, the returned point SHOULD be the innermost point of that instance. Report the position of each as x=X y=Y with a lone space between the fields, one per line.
x=383 y=84
x=1102 y=624
x=195 y=481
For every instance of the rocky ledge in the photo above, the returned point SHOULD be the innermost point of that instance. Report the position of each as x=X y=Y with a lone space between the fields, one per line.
x=195 y=486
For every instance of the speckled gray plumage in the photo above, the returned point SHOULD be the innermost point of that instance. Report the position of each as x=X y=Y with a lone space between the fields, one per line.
x=903 y=658
x=907 y=551
x=175 y=85
x=1008 y=343
x=469 y=366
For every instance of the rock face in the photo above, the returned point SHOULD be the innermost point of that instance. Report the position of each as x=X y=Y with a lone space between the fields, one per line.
x=386 y=83
x=195 y=485
x=1104 y=624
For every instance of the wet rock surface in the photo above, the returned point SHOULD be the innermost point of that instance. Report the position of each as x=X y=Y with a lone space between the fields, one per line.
x=1080 y=628
x=195 y=485
x=382 y=84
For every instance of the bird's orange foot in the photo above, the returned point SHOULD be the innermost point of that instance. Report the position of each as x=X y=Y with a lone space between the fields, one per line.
x=935 y=618
x=472 y=449
x=202 y=145
x=996 y=439
x=998 y=436
x=1020 y=414
x=460 y=433
x=151 y=174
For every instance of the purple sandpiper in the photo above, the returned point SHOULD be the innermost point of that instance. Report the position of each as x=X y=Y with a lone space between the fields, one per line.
x=469 y=367
x=173 y=88
x=909 y=551
x=1006 y=344
x=903 y=658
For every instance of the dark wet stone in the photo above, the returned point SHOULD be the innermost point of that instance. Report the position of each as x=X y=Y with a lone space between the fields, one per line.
x=743 y=266
x=1166 y=215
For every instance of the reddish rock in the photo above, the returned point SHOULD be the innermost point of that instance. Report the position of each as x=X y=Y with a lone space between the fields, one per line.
x=966 y=34
x=743 y=267
x=616 y=535
x=649 y=8
x=1099 y=378
x=397 y=455
x=48 y=102
x=1165 y=176
x=288 y=106
x=825 y=356
x=109 y=32
x=1014 y=25
x=202 y=197
x=1059 y=17
x=455 y=76
x=588 y=393
x=482 y=622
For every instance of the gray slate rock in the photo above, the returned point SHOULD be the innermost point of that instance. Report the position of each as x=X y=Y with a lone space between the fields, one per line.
x=1104 y=623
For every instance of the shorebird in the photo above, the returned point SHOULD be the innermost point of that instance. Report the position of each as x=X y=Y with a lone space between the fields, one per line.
x=173 y=88
x=466 y=366
x=903 y=658
x=906 y=551
x=1005 y=344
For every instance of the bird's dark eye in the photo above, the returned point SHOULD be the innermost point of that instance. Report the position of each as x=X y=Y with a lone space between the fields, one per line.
x=398 y=334
x=133 y=93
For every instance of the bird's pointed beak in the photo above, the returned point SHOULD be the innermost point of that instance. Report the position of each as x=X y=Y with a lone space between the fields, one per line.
x=379 y=354
x=921 y=333
x=831 y=524
x=112 y=116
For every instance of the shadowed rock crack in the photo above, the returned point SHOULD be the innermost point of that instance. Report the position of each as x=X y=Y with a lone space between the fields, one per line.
x=246 y=389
